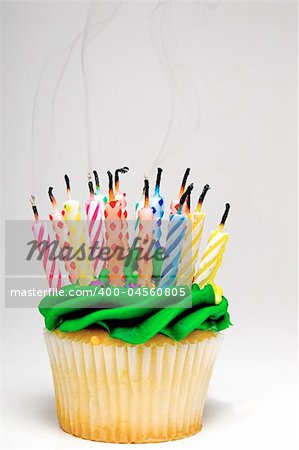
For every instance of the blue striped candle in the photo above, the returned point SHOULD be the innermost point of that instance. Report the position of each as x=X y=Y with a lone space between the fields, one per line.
x=175 y=237
x=174 y=243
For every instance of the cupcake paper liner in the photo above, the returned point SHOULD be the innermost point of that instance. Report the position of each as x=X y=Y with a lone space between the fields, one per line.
x=141 y=393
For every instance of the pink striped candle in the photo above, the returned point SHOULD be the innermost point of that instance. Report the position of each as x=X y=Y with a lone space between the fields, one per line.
x=96 y=231
x=43 y=240
x=62 y=235
x=121 y=197
x=98 y=195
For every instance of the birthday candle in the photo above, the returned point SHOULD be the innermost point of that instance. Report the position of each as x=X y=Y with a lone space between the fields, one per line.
x=176 y=203
x=77 y=236
x=191 y=242
x=96 y=229
x=212 y=257
x=113 y=214
x=145 y=235
x=175 y=236
x=62 y=235
x=98 y=195
x=43 y=239
x=121 y=197
x=157 y=205
x=138 y=206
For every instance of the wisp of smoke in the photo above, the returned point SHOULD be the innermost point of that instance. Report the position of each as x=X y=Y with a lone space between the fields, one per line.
x=54 y=68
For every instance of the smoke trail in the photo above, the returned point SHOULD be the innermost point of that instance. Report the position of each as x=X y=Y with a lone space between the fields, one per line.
x=53 y=70
x=186 y=93
x=88 y=35
x=161 y=8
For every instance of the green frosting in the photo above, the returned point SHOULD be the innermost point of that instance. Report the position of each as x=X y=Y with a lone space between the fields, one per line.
x=119 y=315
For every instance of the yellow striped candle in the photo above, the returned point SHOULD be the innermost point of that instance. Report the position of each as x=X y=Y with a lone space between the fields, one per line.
x=77 y=237
x=212 y=257
x=192 y=242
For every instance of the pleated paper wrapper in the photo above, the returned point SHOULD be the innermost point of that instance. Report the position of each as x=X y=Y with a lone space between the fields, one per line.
x=113 y=393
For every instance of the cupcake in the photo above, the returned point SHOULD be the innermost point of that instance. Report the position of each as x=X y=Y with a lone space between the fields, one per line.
x=132 y=352
x=128 y=374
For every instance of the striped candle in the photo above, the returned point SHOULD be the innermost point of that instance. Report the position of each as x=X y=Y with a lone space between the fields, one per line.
x=145 y=235
x=175 y=204
x=191 y=243
x=62 y=235
x=212 y=257
x=121 y=197
x=114 y=241
x=174 y=240
x=43 y=239
x=157 y=205
x=98 y=195
x=138 y=206
x=96 y=230
x=77 y=237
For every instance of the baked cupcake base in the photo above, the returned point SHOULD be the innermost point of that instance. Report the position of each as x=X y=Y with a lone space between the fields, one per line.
x=110 y=391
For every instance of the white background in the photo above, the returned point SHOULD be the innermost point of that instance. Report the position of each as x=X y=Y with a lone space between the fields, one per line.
x=221 y=78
